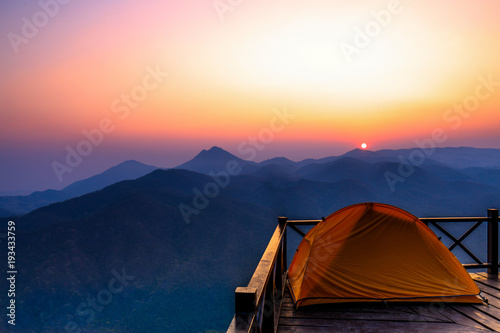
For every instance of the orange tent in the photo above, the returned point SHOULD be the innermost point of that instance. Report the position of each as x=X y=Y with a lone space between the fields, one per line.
x=375 y=252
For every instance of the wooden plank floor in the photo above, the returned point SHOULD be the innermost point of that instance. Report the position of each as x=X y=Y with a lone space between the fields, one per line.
x=397 y=318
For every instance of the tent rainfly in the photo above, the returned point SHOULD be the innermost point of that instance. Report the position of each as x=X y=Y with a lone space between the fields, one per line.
x=376 y=252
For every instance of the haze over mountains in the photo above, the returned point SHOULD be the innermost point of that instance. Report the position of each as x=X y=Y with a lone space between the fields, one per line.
x=473 y=164
x=188 y=236
x=442 y=181
x=22 y=204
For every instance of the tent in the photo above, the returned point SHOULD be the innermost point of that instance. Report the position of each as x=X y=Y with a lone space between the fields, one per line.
x=376 y=252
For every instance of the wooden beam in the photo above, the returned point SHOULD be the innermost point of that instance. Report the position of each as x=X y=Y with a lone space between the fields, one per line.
x=453 y=219
x=303 y=222
x=470 y=266
x=464 y=236
x=245 y=300
x=466 y=250
x=300 y=232
x=493 y=241
x=265 y=267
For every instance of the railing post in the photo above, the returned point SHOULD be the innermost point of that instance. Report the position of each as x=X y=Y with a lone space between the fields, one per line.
x=274 y=285
x=493 y=241
x=245 y=300
x=282 y=222
x=278 y=276
x=268 y=309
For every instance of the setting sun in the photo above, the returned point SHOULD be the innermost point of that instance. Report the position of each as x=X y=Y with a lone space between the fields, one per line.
x=364 y=145
x=199 y=75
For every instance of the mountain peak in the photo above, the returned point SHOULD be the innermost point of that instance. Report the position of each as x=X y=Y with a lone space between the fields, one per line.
x=358 y=152
x=129 y=169
x=212 y=160
x=277 y=160
x=215 y=152
x=215 y=148
x=129 y=163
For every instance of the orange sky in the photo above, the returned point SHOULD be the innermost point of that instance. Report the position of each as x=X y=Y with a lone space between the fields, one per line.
x=228 y=69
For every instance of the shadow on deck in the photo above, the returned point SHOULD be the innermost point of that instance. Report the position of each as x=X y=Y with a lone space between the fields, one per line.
x=397 y=317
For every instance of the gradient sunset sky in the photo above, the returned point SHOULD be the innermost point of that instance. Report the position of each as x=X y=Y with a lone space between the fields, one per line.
x=231 y=65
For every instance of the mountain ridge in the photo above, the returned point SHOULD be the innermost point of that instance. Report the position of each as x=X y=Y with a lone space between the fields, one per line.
x=70 y=248
x=20 y=205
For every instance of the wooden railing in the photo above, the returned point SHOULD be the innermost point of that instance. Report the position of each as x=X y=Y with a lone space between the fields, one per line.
x=492 y=245
x=258 y=305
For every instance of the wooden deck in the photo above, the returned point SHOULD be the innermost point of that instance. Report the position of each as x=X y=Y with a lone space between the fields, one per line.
x=397 y=318
x=265 y=305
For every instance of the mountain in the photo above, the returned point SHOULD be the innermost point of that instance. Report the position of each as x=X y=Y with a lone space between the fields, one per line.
x=20 y=205
x=187 y=239
x=5 y=213
x=362 y=154
x=15 y=192
x=454 y=157
x=448 y=173
x=484 y=175
x=124 y=171
x=466 y=157
x=429 y=190
x=71 y=249
x=370 y=171
x=214 y=160
x=339 y=169
x=282 y=161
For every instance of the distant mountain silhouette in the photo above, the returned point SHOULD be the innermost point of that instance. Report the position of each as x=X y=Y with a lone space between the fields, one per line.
x=5 y=213
x=360 y=153
x=455 y=157
x=185 y=273
x=20 y=205
x=446 y=173
x=15 y=192
x=466 y=157
x=484 y=175
x=70 y=249
x=450 y=164
x=373 y=172
x=213 y=160
x=283 y=161
x=124 y=171
x=432 y=189
x=339 y=169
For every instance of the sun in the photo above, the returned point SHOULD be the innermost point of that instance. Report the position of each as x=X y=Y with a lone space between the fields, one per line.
x=364 y=145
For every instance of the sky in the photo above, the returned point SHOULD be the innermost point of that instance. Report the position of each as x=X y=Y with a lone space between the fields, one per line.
x=158 y=81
